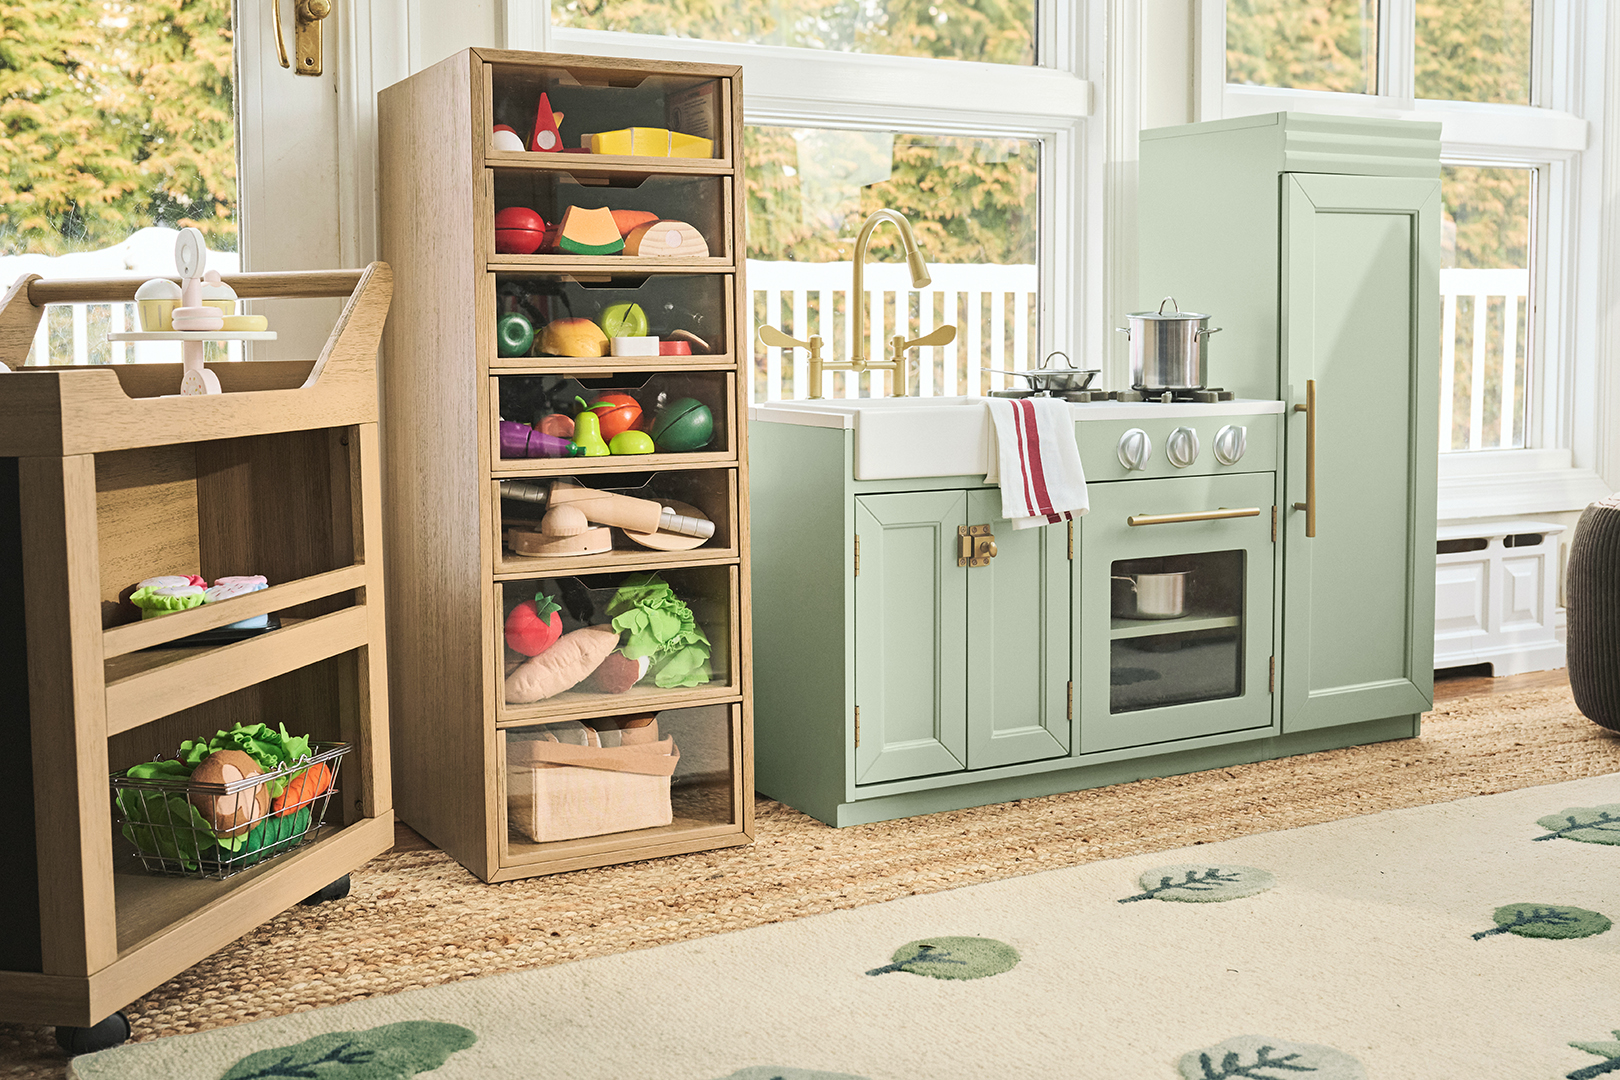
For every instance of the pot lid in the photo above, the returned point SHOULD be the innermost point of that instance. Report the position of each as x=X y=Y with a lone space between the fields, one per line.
x=1160 y=314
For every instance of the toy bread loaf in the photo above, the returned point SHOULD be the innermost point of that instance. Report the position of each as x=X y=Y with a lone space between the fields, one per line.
x=561 y=667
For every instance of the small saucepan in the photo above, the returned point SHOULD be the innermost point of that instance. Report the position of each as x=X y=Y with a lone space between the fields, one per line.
x=1054 y=379
x=1150 y=596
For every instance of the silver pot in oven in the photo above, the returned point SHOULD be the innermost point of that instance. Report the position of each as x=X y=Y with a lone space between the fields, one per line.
x=1150 y=596
x=1169 y=351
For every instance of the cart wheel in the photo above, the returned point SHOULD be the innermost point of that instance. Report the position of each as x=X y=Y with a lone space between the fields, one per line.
x=335 y=891
x=87 y=1040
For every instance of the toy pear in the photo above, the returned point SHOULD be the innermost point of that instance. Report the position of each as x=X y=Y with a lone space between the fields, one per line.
x=588 y=432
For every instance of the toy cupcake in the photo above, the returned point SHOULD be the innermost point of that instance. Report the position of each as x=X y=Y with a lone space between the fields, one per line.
x=228 y=587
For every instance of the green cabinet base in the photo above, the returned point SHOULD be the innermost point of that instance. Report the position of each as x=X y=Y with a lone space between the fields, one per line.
x=1038 y=785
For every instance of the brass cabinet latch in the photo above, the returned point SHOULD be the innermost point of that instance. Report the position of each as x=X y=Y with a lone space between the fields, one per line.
x=976 y=545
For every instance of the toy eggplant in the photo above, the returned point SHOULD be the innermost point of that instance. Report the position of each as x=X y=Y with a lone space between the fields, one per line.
x=522 y=441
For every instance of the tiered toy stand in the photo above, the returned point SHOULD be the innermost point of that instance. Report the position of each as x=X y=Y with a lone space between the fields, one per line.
x=107 y=477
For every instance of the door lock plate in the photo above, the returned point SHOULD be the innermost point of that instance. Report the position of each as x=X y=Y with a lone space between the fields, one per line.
x=975 y=545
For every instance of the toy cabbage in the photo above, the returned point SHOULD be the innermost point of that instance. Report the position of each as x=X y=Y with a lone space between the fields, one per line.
x=164 y=823
x=662 y=628
x=270 y=748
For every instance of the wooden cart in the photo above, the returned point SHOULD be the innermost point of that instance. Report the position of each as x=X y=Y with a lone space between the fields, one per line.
x=106 y=480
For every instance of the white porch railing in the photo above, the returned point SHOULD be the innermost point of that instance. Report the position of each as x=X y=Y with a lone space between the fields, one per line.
x=993 y=307
x=1492 y=367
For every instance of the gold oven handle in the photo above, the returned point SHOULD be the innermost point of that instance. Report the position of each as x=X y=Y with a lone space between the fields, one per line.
x=1309 y=505
x=1195 y=515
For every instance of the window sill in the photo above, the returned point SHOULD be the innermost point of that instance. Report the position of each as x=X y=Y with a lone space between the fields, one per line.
x=1487 y=484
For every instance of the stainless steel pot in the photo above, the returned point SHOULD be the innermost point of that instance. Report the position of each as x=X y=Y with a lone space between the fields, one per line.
x=1150 y=596
x=1169 y=352
x=1055 y=379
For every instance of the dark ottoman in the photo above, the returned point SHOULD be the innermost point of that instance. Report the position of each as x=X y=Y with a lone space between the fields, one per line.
x=1593 y=595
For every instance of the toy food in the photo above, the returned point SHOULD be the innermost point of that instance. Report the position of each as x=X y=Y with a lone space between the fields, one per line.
x=631 y=442
x=616 y=412
x=627 y=220
x=513 y=334
x=681 y=425
x=228 y=588
x=156 y=301
x=589 y=232
x=534 y=625
x=573 y=337
x=518 y=231
x=662 y=628
x=588 y=432
x=618 y=673
x=234 y=814
x=522 y=441
x=650 y=142
x=165 y=580
x=504 y=138
x=246 y=324
x=669 y=239
x=674 y=348
x=546 y=137
x=303 y=789
x=693 y=342
x=216 y=294
x=561 y=667
x=645 y=345
x=623 y=320
x=559 y=424
x=201 y=317
x=163 y=599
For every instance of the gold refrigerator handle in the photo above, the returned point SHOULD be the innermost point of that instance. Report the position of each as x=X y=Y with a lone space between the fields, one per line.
x=1196 y=515
x=1309 y=505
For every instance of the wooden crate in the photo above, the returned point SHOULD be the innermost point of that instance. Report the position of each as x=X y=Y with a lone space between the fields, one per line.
x=104 y=481
x=452 y=577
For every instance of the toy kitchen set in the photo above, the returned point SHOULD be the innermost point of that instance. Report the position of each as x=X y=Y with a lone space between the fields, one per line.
x=1254 y=577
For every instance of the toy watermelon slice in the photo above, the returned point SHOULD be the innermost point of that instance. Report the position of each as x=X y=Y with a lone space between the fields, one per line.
x=589 y=232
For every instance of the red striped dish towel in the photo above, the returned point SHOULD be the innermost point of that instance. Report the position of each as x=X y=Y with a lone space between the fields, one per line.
x=1036 y=461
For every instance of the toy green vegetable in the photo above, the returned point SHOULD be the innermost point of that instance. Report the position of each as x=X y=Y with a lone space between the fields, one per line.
x=663 y=628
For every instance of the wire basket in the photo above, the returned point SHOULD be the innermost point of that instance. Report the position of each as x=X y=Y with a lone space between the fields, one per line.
x=160 y=816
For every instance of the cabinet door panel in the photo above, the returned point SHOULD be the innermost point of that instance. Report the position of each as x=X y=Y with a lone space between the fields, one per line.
x=1018 y=639
x=1361 y=291
x=910 y=636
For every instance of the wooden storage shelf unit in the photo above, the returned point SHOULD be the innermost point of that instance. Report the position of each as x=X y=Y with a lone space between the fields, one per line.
x=105 y=479
x=443 y=380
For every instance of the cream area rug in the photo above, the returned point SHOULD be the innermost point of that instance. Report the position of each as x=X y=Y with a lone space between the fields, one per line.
x=1469 y=939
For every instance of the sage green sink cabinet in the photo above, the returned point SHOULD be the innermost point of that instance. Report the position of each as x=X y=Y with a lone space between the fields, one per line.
x=1314 y=242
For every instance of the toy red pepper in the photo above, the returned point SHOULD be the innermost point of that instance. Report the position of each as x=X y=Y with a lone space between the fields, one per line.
x=534 y=625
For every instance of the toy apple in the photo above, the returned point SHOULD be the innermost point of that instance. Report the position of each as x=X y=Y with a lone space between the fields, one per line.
x=631 y=442
x=623 y=320
x=616 y=412
x=534 y=625
x=513 y=335
x=518 y=231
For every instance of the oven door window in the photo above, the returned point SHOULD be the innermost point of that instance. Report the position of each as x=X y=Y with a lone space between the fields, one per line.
x=1175 y=630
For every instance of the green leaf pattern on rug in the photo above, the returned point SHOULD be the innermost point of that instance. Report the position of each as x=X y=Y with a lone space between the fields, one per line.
x=952 y=958
x=391 y=1052
x=772 y=1072
x=1547 y=921
x=1202 y=883
x=1256 y=1057
x=1589 y=824
x=1607 y=1050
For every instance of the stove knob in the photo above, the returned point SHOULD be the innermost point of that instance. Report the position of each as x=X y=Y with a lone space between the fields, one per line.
x=1182 y=447
x=1230 y=442
x=1135 y=449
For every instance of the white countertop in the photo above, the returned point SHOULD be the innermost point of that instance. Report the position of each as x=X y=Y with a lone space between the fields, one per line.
x=841 y=412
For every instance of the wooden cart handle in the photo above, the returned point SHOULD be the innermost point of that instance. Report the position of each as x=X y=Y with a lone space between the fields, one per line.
x=288 y=284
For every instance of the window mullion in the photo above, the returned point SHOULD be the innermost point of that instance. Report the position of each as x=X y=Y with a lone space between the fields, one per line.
x=1397 y=51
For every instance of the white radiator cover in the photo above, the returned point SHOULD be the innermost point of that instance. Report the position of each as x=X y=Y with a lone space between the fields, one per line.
x=1498 y=604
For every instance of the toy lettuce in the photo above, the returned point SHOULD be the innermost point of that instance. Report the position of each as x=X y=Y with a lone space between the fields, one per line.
x=271 y=749
x=164 y=823
x=662 y=628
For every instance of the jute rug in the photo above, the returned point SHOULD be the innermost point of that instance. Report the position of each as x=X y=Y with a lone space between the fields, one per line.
x=1458 y=941
x=417 y=919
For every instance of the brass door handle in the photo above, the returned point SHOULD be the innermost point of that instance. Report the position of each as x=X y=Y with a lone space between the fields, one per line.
x=1309 y=505
x=1195 y=515
x=307 y=34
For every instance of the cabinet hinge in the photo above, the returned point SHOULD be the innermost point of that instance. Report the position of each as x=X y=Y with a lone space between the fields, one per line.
x=857 y=727
x=1071 y=699
x=1273 y=524
x=858 y=556
x=1273 y=687
x=1071 y=541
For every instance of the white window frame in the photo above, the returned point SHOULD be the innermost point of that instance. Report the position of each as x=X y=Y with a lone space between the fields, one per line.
x=1568 y=454
x=1050 y=100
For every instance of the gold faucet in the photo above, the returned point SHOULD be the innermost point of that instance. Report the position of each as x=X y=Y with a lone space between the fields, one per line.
x=898 y=344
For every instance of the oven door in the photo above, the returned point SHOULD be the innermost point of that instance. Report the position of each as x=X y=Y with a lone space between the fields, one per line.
x=1176 y=614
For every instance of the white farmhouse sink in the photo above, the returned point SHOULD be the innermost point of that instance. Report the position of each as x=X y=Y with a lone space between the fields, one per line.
x=908 y=436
